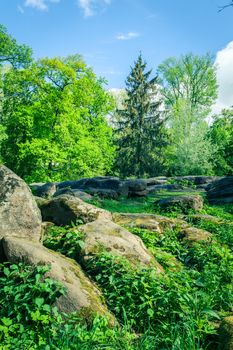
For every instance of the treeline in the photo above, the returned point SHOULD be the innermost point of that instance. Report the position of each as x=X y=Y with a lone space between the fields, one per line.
x=57 y=121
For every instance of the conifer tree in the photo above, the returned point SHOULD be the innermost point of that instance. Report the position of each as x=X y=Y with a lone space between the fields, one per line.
x=140 y=129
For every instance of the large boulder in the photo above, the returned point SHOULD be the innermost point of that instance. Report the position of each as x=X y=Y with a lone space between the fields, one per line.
x=221 y=191
x=104 y=234
x=151 y=222
x=19 y=213
x=226 y=334
x=184 y=203
x=199 y=180
x=80 y=293
x=64 y=210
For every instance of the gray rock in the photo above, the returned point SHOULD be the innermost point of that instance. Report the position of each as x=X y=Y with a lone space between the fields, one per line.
x=221 y=191
x=19 y=213
x=73 y=192
x=64 y=210
x=45 y=191
x=185 y=203
x=105 y=234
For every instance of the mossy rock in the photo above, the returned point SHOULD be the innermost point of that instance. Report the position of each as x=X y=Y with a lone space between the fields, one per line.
x=226 y=334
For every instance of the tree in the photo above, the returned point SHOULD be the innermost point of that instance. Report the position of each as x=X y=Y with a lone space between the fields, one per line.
x=54 y=115
x=189 y=88
x=11 y=52
x=192 y=152
x=189 y=77
x=221 y=135
x=140 y=127
x=225 y=6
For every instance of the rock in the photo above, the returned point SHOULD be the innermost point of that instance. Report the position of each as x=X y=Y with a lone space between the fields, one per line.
x=193 y=234
x=133 y=194
x=151 y=222
x=156 y=181
x=221 y=191
x=64 y=210
x=104 y=193
x=196 y=180
x=104 y=234
x=20 y=216
x=73 y=192
x=45 y=191
x=136 y=185
x=81 y=294
x=185 y=203
x=166 y=187
x=207 y=218
x=226 y=334
x=100 y=182
x=40 y=201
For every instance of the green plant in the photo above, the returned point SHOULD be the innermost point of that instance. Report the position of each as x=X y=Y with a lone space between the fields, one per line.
x=65 y=240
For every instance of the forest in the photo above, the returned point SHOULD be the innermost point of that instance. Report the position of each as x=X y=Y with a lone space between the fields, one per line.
x=59 y=122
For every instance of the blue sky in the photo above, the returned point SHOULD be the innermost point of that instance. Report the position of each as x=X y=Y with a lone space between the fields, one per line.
x=110 y=33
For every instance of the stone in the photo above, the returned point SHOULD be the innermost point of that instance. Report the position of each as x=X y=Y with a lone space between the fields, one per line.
x=81 y=294
x=156 y=181
x=151 y=222
x=104 y=234
x=73 y=192
x=46 y=191
x=104 y=193
x=19 y=213
x=64 y=210
x=193 y=234
x=166 y=187
x=195 y=218
x=185 y=203
x=136 y=185
x=225 y=339
x=221 y=191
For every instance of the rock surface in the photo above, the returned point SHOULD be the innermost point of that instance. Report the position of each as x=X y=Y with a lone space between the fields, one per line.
x=221 y=191
x=185 y=203
x=73 y=192
x=46 y=191
x=20 y=216
x=80 y=294
x=150 y=222
x=193 y=234
x=64 y=210
x=104 y=234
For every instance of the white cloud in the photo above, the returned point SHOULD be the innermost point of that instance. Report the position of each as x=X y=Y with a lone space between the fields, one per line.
x=41 y=5
x=90 y=7
x=224 y=63
x=127 y=36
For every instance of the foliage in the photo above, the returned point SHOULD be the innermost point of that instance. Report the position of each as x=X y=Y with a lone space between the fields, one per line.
x=11 y=52
x=54 y=115
x=29 y=319
x=66 y=240
x=191 y=78
x=221 y=136
x=140 y=131
x=193 y=152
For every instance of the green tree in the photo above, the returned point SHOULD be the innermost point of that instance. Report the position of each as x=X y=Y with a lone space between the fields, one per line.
x=191 y=78
x=54 y=115
x=11 y=52
x=221 y=135
x=192 y=152
x=140 y=125
x=190 y=89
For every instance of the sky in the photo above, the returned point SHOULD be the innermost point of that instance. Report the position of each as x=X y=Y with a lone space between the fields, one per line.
x=110 y=34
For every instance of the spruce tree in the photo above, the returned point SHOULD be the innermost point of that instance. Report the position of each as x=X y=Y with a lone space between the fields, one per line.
x=140 y=131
